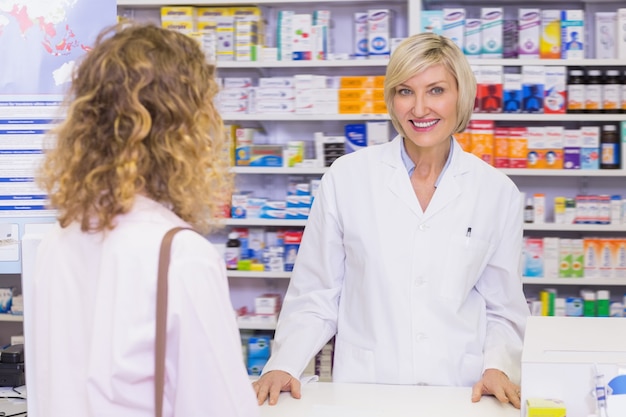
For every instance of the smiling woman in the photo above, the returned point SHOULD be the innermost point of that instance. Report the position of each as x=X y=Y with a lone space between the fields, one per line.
x=387 y=265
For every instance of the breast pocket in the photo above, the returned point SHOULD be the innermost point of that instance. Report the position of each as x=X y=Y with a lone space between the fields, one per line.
x=465 y=261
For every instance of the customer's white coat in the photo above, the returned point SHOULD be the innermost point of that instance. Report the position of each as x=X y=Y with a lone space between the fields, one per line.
x=93 y=313
x=412 y=296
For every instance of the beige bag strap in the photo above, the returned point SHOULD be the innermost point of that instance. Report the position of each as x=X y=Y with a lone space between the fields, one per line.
x=161 y=319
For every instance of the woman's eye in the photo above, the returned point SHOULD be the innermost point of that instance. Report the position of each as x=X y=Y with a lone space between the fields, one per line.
x=404 y=91
x=437 y=90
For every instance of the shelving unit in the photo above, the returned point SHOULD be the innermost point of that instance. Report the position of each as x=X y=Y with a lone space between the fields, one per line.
x=409 y=18
x=11 y=318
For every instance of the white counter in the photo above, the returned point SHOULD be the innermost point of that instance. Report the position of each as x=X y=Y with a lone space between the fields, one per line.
x=325 y=399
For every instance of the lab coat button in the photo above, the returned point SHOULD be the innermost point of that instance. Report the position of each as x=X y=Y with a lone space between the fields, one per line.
x=422 y=227
x=419 y=281
x=420 y=337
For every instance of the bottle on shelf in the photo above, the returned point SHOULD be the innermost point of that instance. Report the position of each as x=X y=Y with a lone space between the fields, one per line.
x=575 y=91
x=611 y=92
x=529 y=211
x=233 y=251
x=593 y=91
x=609 y=147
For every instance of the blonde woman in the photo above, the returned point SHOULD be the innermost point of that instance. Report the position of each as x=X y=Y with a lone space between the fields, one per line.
x=141 y=151
x=410 y=257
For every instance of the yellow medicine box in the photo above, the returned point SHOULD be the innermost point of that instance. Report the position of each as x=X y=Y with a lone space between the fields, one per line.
x=179 y=26
x=169 y=13
x=543 y=407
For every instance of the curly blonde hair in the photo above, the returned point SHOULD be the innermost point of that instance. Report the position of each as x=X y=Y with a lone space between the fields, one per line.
x=140 y=120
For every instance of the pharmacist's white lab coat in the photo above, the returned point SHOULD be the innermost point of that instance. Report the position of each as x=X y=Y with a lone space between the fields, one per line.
x=414 y=297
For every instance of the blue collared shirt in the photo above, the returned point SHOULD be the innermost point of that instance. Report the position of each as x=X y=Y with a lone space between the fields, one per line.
x=410 y=165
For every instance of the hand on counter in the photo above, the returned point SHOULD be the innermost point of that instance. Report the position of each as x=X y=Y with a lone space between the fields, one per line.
x=273 y=383
x=495 y=382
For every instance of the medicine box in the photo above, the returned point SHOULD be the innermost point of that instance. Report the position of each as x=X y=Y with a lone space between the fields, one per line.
x=512 y=93
x=360 y=35
x=589 y=151
x=301 y=37
x=550 y=39
x=554 y=90
x=472 y=38
x=379 y=33
x=572 y=34
x=605 y=35
x=491 y=32
x=529 y=32
x=454 y=25
x=432 y=21
x=533 y=85
x=621 y=33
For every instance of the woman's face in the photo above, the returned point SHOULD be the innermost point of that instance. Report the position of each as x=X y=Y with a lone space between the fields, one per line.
x=425 y=106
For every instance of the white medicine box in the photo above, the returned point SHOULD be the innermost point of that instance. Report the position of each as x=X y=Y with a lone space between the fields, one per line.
x=575 y=359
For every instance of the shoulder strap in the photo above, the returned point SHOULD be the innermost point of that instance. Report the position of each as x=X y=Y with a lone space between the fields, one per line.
x=161 y=319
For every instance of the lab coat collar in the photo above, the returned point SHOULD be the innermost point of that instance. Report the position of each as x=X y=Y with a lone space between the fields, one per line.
x=449 y=187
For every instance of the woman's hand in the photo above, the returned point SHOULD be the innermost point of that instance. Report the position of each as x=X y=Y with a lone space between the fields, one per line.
x=273 y=383
x=495 y=382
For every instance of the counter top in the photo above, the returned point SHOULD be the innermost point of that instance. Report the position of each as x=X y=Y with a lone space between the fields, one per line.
x=326 y=399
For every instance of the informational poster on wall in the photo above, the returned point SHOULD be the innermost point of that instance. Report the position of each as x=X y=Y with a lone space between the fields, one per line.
x=40 y=43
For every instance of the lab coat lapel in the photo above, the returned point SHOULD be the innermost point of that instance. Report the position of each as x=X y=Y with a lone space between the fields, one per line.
x=450 y=187
x=398 y=179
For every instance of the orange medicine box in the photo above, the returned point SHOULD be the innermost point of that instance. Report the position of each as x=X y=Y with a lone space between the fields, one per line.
x=501 y=148
x=464 y=139
x=377 y=81
x=518 y=147
x=355 y=107
x=374 y=94
x=482 y=139
x=379 y=107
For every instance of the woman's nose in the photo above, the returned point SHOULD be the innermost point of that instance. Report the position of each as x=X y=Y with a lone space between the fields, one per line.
x=420 y=106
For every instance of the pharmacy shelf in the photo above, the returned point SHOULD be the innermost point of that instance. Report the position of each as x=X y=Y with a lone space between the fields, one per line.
x=11 y=317
x=351 y=63
x=574 y=227
x=528 y=172
x=206 y=3
x=295 y=117
x=280 y=170
x=519 y=117
x=512 y=172
x=265 y=222
x=525 y=280
x=347 y=63
x=540 y=117
x=258 y=274
x=551 y=62
x=257 y=327
x=573 y=281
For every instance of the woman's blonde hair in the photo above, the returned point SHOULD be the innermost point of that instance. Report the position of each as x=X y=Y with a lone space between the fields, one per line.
x=421 y=51
x=140 y=120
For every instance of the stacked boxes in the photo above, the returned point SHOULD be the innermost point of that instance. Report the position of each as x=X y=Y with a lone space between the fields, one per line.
x=274 y=95
x=219 y=20
x=181 y=19
x=258 y=354
x=362 y=95
x=228 y=33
